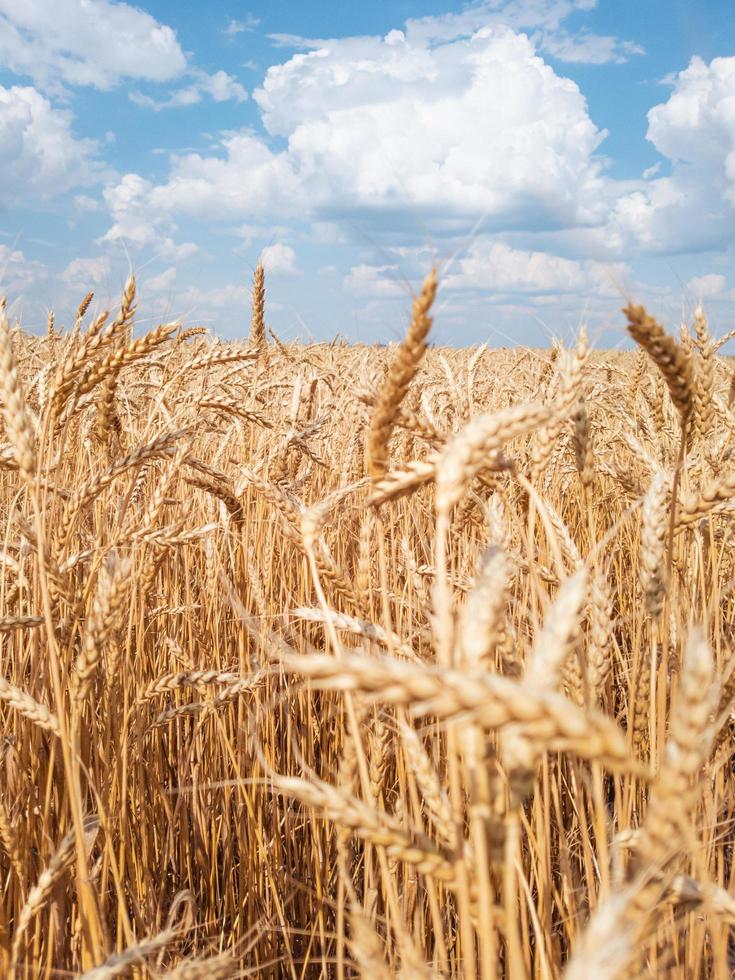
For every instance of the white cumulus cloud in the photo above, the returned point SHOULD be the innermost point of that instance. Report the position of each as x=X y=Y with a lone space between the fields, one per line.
x=90 y=271
x=470 y=126
x=173 y=252
x=423 y=132
x=85 y=203
x=279 y=259
x=248 y=180
x=384 y=129
x=694 y=208
x=100 y=43
x=696 y=126
x=161 y=283
x=702 y=287
x=127 y=202
x=86 y=42
x=39 y=155
x=374 y=281
x=18 y=272
x=498 y=267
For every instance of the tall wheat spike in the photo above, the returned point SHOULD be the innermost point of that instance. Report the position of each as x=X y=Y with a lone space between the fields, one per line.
x=401 y=373
x=257 y=323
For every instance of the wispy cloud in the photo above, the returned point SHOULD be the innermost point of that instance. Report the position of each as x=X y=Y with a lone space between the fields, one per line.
x=543 y=19
x=220 y=87
x=243 y=26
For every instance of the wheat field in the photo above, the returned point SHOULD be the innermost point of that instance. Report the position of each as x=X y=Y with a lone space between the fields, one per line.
x=345 y=661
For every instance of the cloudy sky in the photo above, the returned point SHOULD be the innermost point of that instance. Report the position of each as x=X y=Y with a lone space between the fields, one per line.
x=552 y=157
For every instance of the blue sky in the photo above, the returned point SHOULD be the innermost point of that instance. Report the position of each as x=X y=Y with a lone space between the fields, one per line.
x=553 y=157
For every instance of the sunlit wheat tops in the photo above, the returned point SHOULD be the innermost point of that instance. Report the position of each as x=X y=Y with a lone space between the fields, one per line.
x=339 y=662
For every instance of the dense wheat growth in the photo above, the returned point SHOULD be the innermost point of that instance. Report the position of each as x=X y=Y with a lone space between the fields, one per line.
x=336 y=661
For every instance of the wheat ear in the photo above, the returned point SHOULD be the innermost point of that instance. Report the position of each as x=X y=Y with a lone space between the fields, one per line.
x=107 y=609
x=481 y=624
x=677 y=370
x=465 y=455
x=15 y=413
x=653 y=544
x=257 y=322
x=400 y=375
x=27 y=706
x=704 y=390
x=668 y=356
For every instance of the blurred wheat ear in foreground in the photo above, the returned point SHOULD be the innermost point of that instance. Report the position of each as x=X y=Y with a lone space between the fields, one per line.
x=341 y=661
